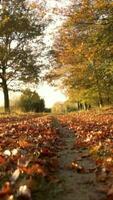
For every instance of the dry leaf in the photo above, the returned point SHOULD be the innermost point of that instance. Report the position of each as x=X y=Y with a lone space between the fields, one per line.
x=15 y=175
x=6 y=189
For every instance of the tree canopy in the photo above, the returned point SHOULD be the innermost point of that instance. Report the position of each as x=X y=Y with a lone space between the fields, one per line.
x=21 y=25
x=83 y=52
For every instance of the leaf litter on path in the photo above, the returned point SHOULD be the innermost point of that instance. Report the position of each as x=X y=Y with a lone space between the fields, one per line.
x=27 y=156
x=87 y=157
x=69 y=157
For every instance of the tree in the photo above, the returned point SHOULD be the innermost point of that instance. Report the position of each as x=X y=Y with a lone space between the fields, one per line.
x=20 y=26
x=41 y=107
x=83 y=52
x=58 y=108
x=31 y=101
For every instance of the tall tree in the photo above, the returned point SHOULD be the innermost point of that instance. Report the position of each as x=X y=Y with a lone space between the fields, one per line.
x=84 y=50
x=20 y=25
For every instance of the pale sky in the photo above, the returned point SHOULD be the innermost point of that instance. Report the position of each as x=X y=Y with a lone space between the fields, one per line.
x=49 y=93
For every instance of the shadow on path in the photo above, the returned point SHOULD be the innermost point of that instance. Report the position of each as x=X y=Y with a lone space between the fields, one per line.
x=77 y=172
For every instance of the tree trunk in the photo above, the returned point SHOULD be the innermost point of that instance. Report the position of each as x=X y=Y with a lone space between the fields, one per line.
x=6 y=97
x=98 y=87
x=100 y=98
x=108 y=94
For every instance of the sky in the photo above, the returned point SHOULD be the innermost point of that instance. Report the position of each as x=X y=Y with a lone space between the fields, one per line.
x=50 y=94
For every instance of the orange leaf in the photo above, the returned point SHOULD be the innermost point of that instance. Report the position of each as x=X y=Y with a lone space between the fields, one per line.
x=2 y=160
x=37 y=169
x=6 y=189
x=24 y=144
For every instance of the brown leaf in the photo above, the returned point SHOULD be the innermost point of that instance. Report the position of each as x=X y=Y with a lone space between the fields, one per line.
x=6 y=189
x=24 y=144
x=77 y=167
x=36 y=169
x=110 y=193
x=2 y=160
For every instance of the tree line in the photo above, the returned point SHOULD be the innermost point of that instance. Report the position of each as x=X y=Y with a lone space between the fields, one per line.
x=83 y=52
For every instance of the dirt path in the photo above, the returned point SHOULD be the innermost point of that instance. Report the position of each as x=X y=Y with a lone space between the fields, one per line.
x=75 y=183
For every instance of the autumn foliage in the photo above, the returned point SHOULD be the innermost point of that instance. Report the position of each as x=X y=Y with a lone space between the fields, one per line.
x=83 y=53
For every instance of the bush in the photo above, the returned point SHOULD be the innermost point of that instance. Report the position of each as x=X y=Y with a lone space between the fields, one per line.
x=31 y=102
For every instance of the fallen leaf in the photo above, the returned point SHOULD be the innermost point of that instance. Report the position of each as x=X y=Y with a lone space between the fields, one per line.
x=24 y=192
x=36 y=169
x=2 y=160
x=6 y=189
x=15 y=175
x=77 y=167
x=110 y=193
x=7 y=152
x=24 y=144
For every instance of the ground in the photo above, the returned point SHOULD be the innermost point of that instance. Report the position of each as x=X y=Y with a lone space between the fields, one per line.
x=57 y=157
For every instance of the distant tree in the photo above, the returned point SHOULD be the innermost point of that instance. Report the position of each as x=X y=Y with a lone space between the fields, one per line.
x=58 y=108
x=48 y=110
x=31 y=102
x=41 y=105
x=20 y=26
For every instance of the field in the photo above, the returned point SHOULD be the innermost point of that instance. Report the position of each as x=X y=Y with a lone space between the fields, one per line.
x=54 y=157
